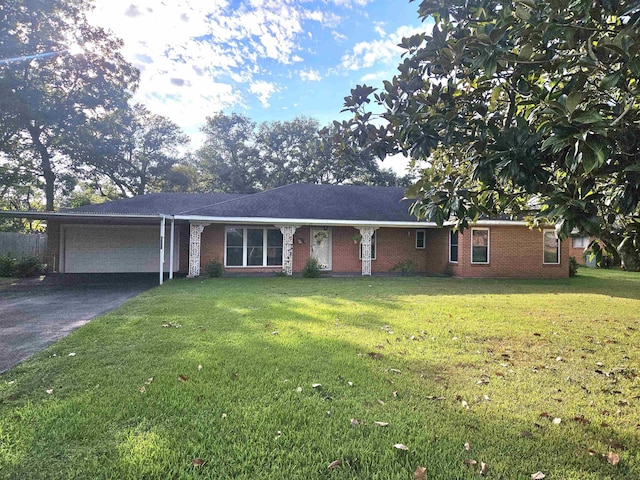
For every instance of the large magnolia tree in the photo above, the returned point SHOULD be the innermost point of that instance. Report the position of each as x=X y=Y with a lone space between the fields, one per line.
x=524 y=107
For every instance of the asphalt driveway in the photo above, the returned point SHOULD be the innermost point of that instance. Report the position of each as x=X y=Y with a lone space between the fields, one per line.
x=35 y=316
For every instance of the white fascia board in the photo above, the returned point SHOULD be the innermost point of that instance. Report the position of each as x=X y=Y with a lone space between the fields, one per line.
x=68 y=215
x=497 y=223
x=304 y=221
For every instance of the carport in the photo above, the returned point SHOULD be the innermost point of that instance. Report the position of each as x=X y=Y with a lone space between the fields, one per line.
x=97 y=243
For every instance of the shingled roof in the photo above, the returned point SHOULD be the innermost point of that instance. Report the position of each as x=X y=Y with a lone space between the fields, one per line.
x=156 y=203
x=321 y=202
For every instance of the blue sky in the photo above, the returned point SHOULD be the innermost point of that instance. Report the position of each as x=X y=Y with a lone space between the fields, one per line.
x=267 y=59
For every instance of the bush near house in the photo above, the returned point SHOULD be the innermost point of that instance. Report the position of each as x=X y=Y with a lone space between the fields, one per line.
x=21 y=266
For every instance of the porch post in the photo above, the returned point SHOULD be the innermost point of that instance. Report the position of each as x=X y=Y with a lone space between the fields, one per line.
x=171 y=245
x=287 y=247
x=366 y=233
x=162 y=227
x=195 y=232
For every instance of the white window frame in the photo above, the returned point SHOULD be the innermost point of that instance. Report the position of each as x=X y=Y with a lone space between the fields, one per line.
x=244 y=246
x=374 y=247
x=451 y=232
x=583 y=240
x=473 y=229
x=424 y=239
x=544 y=233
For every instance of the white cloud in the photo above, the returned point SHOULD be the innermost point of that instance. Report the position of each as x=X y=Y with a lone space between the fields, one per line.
x=310 y=75
x=350 y=3
x=263 y=90
x=200 y=56
x=383 y=50
x=338 y=37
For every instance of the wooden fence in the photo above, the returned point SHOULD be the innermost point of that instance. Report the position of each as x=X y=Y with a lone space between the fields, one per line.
x=23 y=244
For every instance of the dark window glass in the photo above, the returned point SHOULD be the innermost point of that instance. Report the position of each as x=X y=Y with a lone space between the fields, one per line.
x=254 y=246
x=453 y=249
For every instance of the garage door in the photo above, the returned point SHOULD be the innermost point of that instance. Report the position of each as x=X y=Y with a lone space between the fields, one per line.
x=114 y=249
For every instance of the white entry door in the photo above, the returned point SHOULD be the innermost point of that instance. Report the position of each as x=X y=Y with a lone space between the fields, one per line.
x=321 y=246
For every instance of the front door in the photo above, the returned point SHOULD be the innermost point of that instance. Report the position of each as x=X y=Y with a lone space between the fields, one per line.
x=321 y=246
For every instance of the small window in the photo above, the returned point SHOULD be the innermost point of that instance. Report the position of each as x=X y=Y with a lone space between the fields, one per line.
x=453 y=247
x=580 y=242
x=551 y=247
x=421 y=239
x=479 y=245
x=373 y=247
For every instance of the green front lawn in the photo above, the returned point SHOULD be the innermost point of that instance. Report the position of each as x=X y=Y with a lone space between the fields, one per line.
x=531 y=375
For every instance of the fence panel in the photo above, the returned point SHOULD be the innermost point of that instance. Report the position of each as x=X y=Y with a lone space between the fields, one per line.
x=23 y=244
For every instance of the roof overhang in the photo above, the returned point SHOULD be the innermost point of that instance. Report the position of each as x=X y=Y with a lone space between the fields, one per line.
x=325 y=222
x=32 y=215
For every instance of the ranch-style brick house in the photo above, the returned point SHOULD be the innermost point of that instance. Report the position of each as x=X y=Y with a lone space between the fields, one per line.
x=351 y=230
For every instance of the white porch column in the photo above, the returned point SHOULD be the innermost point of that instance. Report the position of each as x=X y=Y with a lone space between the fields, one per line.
x=366 y=233
x=162 y=228
x=287 y=247
x=195 y=233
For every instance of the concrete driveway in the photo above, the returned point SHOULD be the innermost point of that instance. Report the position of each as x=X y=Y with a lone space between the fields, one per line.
x=33 y=316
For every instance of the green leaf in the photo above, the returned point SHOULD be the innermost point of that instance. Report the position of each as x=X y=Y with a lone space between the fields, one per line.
x=522 y=13
x=573 y=100
x=525 y=52
x=610 y=80
x=587 y=117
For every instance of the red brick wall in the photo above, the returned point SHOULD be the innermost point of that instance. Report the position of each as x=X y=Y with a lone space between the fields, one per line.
x=515 y=251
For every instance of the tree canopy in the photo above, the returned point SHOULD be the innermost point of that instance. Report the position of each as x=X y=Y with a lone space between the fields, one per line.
x=240 y=156
x=522 y=107
x=56 y=73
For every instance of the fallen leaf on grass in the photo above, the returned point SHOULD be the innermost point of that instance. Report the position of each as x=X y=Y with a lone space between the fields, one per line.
x=334 y=464
x=149 y=381
x=470 y=462
x=537 y=476
x=143 y=389
x=224 y=415
x=394 y=370
x=401 y=446
x=395 y=394
x=582 y=420
x=556 y=421
x=380 y=402
x=199 y=367
x=182 y=378
x=375 y=355
x=483 y=468
x=354 y=422
x=299 y=389
x=381 y=424
x=275 y=332
x=197 y=462
x=526 y=434
x=316 y=385
x=420 y=473
x=467 y=447
x=613 y=458
x=49 y=391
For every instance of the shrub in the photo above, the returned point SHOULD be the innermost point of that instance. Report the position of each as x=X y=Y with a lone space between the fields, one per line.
x=7 y=265
x=23 y=266
x=573 y=266
x=311 y=268
x=408 y=267
x=214 y=268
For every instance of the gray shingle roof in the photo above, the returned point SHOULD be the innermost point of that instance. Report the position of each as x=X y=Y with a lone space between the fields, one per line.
x=309 y=201
x=156 y=203
x=297 y=201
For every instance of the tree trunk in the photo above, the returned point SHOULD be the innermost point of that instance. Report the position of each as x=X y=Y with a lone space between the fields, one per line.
x=629 y=257
x=45 y=163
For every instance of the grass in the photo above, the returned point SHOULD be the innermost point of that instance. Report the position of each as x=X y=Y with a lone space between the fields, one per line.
x=445 y=362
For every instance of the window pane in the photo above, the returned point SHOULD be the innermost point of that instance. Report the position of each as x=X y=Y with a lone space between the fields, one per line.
x=274 y=247
x=274 y=238
x=274 y=256
x=550 y=247
x=480 y=246
x=234 y=237
x=234 y=256
x=420 y=239
x=453 y=252
x=479 y=254
x=254 y=246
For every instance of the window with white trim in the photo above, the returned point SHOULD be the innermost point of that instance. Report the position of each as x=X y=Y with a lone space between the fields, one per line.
x=480 y=245
x=580 y=242
x=453 y=246
x=421 y=239
x=551 y=247
x=373 y=247
x=253 y=247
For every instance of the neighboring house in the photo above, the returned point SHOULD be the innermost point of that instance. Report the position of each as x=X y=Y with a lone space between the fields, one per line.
x=349 y=229
x=579 y=245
